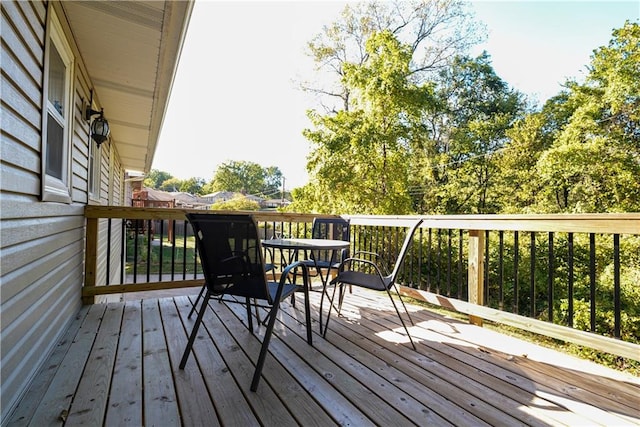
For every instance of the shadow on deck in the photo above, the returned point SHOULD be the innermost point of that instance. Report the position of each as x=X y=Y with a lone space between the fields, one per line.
x=117 y=364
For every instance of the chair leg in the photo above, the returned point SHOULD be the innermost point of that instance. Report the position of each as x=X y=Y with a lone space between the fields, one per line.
x=255 y=305
x=400 y=316
x=195 y=303
x=194 y=331
x=265 y=347
x=324 y=291
x=249 y=316
x=307 y=307
x=333 y=297
x=341 y=297
x=404 y=306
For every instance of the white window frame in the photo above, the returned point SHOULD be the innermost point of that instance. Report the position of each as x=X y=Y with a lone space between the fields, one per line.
x=55 y=189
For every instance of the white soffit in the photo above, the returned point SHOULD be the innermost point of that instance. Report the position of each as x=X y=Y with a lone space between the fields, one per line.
x=131 y=51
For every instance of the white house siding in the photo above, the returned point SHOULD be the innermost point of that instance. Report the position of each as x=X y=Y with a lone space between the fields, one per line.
x=41 y=243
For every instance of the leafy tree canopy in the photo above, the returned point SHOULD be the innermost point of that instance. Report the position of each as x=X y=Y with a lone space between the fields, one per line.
x=155 y=178
x=593 y=164
x=247 y=178
x=238 y=203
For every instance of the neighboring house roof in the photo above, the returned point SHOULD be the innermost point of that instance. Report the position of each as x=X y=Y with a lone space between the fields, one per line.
x=181 y=199
x=131 y=51
x=157 y=195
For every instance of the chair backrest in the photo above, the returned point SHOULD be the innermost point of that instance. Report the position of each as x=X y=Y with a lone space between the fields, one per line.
x=405 y=248
x=230 y=254
x=330 y=228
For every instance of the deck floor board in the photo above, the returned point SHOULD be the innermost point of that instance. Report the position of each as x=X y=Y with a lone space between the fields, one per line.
x=118 y=365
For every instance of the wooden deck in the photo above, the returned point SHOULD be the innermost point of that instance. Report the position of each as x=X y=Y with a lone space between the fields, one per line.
x=117 y=366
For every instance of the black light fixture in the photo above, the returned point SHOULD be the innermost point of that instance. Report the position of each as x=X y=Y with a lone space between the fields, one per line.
x=99 y=126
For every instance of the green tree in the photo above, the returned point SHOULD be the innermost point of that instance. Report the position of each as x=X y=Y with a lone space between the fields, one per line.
x=358 y=164
x=171 y=184
x=272 y=181
x=519 y=180
x=594 y=164
x=433 y=31
x=239 y=176
x=238 y=203
x=456 y=170
x=246 y=177
x=192 y=185
x=155 y=178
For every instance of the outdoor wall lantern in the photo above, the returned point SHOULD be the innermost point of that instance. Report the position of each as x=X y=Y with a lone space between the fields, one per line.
x=99 y=126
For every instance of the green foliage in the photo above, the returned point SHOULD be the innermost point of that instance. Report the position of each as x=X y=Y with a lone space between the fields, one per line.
x=473 y=112
x=238 y=203
x=359 y=160
x=247 y=178
x=171 y=185
x=155 y=178
x=192 y=185
x=594 y=162
x=433 y=31
x=166 y=182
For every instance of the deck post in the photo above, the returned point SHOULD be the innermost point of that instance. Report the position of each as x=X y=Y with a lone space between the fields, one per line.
x=476 y=272
x=91 y=258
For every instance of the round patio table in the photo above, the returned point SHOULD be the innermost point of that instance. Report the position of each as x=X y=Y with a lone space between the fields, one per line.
x=311 y=245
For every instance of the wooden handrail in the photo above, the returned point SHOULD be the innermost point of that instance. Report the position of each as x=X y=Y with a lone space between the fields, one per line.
x=614 y=223
x=475 y=226
x=624 y=223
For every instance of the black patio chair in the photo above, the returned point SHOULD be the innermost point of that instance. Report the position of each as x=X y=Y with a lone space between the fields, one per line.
x=268 y=267
x=329 y=228
x=367 y=274
x=319 y=261
x=233 y=266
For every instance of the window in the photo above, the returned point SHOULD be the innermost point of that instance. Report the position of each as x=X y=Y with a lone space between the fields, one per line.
x=57 y=117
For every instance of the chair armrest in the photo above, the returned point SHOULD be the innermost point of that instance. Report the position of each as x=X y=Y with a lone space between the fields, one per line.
x=350 y=261
x=371 y=254
x=289 y=269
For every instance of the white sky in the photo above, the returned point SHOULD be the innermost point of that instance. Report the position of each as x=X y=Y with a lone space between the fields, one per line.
x=235 y=95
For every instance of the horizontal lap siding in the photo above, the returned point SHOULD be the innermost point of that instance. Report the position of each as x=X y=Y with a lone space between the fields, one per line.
x=42 y=244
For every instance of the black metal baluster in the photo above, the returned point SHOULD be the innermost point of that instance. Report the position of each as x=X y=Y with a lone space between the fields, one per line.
x=429 y=259
x=570 y=279
x=161 y=247
x=532 y=273
x=135 y=251
x=173 y=249
x=460 y=261
x=123 y=250
x=616 y=286
x=108 y=251
x=550 y=279
x=501 y=270
x=592 y=279
x=516 y=261
x=449 y=231
x=439 y=261
x=149 y=235
x=185 y=234
x=420 y=250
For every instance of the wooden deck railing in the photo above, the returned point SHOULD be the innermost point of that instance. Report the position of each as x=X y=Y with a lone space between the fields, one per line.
x=571 y=277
